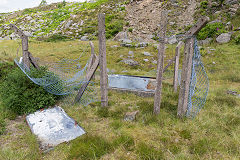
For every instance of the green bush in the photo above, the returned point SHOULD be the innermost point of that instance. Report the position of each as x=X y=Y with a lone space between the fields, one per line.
x=4 y=69
x=211 y=30
x=204 y=4
x=130 y=29
x=20 y=95
x=56 y=38
x=113 y=28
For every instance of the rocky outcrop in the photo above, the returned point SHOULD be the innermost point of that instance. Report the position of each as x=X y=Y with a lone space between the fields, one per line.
x=144 y=17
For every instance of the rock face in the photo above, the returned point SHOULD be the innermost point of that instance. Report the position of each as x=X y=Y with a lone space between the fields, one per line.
x=144 y=16
x=223 y=38
x=130 y=116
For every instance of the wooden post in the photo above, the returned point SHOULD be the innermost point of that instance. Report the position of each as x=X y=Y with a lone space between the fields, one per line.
x=161 y=50
x=92 y=59
x=103 y=61
x=27 y=57
x=187 y=66
x=176 y=66
x=88 y=78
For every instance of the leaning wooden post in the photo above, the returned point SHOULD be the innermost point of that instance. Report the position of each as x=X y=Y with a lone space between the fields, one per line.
x=24 y=38
x=161 y=50
x=176 y=66
x=187 y=66
x=103 y=61
x=27 y=56
x=92 y=59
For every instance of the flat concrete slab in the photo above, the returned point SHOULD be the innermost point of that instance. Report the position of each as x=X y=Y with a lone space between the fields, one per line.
x=53 y=126
x=132 y=82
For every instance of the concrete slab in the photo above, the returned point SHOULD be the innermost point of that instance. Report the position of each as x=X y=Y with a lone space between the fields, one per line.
x=53 y=126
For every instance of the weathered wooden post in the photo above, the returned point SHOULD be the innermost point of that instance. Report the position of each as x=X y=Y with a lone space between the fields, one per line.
x=27 y=56
x=92 y=59
x=176 y=66
x=103 y=61
x=187 y=66
x=161 y=50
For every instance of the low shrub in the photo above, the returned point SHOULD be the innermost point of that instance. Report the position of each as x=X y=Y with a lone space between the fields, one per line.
x=20 y=95
x=56 y=38
x=113 y=28
x=204 y=4
x=211 y=30
x=130 y=29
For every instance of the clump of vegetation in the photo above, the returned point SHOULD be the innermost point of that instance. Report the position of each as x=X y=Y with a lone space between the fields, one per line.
x=204 y=4
x=148 y=152
x=56 y=38
x=113 y=28
x=20 y=95
x=89 y=147
x=211 y=30
x=43 y=3
x=130 y=29
x=124 y=140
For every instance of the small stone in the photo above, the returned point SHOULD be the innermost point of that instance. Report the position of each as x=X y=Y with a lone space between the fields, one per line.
x=172 y=39
x=130 y=62
x=223 y=38
x=154 y=62
x=126 y=45
x=131 y=53
x=145 y=60
x=125 y=41
x=207 y=41
x=84 y=38
x=131 y=116
x=147 y=54
x=114 y=46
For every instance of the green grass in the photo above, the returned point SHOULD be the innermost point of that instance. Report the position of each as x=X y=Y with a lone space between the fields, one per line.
x=213 y=134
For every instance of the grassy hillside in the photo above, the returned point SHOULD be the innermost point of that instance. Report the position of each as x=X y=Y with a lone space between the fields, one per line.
x=213 y=134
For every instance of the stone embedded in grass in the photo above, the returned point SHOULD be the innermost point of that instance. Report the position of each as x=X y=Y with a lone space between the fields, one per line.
x=130 y=116
x=130 y=62
x=234 y=93
x=223 y=38
x=145 y=60
x=53 y=126
x=147 y=54
x=154 y=62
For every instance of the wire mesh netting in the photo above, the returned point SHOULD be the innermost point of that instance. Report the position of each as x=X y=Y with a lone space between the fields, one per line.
x=199 y=84
x=63 y=78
